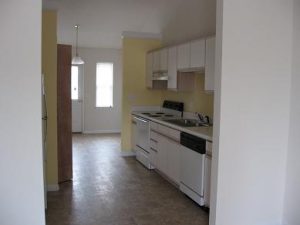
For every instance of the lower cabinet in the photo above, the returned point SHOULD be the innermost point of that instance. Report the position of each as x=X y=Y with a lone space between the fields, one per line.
x=165 y=151
x=170 y=158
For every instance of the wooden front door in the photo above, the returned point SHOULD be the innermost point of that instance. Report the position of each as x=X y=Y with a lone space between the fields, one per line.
x=64 y=113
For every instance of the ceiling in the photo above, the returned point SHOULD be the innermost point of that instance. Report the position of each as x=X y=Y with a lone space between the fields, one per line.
x=103 y=21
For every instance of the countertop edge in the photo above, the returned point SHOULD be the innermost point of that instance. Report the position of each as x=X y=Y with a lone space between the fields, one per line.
x=183 y=129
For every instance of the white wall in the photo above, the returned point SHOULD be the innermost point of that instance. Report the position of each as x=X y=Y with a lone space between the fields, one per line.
x=292 y=197
x=101 y=119
x=252 y=128
x=21 y=168
x=193 y=19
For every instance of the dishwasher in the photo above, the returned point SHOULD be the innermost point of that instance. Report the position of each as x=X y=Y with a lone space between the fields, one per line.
x=192 y=166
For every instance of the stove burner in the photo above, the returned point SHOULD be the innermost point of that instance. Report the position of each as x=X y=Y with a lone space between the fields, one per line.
x=154 y=115
x=169 y=115
x=159 y=113
x=146 y=113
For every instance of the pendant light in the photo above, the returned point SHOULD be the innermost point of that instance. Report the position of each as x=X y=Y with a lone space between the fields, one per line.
x=77 y=59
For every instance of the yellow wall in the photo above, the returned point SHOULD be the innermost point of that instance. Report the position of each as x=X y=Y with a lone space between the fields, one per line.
x=196 y=101
x=49 y=69
x=134 y=85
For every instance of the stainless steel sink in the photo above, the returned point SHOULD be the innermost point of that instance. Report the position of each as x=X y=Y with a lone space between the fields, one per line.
x=186 y=122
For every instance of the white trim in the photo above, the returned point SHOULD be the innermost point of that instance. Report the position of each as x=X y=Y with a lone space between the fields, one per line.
x=142 y=35
x=127 y=153
x=53 y=187
x=102 y=131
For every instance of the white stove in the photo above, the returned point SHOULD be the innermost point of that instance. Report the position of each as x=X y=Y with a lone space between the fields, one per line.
x=142 y=120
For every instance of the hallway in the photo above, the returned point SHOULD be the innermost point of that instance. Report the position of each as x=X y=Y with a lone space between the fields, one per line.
x=108 y=189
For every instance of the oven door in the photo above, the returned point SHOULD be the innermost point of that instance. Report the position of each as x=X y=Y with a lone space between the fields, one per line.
x=143 y=132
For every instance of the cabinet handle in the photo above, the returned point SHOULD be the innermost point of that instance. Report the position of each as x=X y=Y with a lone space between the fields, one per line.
x=133 y=122
x=153 y=140
x=153 y=149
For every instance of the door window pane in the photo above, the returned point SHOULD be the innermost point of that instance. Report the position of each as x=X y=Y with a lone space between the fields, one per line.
x=104 y=85
x=74 y=83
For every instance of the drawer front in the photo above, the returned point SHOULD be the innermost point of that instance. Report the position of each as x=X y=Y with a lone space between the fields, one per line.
x=169 y=132
x=153 y=126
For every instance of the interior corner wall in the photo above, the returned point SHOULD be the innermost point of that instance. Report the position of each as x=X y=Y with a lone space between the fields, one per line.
x=135 y=92
x=49 y=69
x=101 y=120
x=253 y=126
x=292 y=195
x=193 y=19
x=21 y=154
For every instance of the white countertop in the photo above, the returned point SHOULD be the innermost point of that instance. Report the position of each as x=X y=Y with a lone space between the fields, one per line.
x=202 y=132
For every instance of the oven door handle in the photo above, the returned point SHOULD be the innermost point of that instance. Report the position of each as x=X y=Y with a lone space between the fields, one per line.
x=140 y=119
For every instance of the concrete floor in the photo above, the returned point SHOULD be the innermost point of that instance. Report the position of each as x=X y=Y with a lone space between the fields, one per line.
x=108 y=189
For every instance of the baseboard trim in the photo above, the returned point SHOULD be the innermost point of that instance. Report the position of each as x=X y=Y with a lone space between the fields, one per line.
x=128 y=153
x=102 y=131
x=53 y=187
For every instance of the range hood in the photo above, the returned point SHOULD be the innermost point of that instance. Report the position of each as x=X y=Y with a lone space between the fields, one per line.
x=160 y=75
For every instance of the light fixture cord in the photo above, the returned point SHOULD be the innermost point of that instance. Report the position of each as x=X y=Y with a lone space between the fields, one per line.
x=77 y=26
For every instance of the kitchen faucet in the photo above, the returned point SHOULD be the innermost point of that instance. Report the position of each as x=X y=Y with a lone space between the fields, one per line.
x=203 y=118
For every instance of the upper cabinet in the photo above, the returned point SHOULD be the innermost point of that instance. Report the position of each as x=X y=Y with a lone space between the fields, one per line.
x=197 y=54
x=160 y=60
x=210 y=64
x=183 y=56
x=156 y=69
x=174 y=67
x=163 y=59
x=156 y=61
x=149 y=69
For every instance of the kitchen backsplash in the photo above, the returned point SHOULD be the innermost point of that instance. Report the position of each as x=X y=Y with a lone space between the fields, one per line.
x=195 y=101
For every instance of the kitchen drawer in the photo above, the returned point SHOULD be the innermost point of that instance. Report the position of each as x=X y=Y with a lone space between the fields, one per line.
x=169 y=132
x=153 y=144
x=153 y=126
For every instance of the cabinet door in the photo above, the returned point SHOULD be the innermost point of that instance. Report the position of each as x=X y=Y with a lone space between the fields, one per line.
x=173 y=163
x=210 y=64
x=156 y=61
x=164 y=59
x=162 y=154
x=149 y=70
x=183 y=56
x=172 y=68
x=198 y=54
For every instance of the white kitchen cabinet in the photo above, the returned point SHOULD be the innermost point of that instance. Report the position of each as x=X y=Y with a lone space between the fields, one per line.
x=172 y=68
x=183 y=56
x=210 y=64
x=173 y=160
x=162 y=154
x=163 y=65
x=197 y=54
x=149 y=70
x=156 y=61
x=168 y=148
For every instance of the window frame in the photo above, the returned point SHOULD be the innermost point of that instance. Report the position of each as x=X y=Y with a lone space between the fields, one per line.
x=113 y=76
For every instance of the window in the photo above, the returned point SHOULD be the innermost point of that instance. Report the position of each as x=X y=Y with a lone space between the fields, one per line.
x=104 y=85
x=74 y=83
